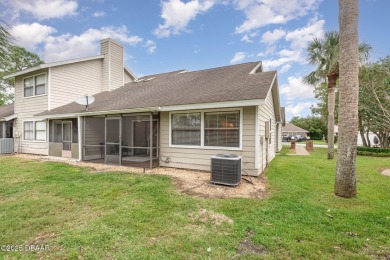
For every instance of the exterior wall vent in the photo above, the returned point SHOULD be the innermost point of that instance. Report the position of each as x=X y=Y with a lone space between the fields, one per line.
x=226 y=169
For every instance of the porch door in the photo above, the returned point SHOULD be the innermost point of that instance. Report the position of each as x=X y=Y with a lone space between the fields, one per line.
x=113 y=140
x=67 y=139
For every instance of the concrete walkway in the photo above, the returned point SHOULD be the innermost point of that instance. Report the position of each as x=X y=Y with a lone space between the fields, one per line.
x=300 y=150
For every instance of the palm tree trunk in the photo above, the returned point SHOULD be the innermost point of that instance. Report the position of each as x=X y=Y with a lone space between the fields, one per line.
x=345 y=183
x=332 y=80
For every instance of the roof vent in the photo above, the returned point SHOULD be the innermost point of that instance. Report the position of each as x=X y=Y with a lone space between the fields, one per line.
x=143 y=80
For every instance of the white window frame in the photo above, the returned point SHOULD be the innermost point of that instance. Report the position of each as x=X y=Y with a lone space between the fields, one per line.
x=35 y=131
x=202 y=128
x=33 y=76
x=34 y=139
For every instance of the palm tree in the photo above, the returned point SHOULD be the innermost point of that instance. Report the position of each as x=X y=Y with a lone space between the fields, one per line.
x=345 y=183
x=324 y=54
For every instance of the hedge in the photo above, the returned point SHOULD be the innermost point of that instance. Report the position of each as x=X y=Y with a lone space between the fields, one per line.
x=373 y=149
x=364 y=153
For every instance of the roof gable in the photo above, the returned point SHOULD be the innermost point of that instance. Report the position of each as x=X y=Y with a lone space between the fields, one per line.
x=293 y=128
x=6 y=111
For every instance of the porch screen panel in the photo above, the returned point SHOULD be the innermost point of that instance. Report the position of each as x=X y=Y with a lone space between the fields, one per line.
x=94 y=131
x=75 y=131
x=186 y=129
x=222 y=129
x=94 y=134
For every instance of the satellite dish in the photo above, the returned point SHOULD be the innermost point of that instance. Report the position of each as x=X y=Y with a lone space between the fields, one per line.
x=85 y=101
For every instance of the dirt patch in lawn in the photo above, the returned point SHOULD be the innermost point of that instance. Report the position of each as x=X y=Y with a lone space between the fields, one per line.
x=190 y=182
x=42 y=238
x=209 y=217
x=248 y=247
x=386 y=172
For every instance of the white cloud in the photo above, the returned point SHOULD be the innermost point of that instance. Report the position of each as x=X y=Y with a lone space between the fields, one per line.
x=260 y=54
x=264 y=12
x=151 y=46
x=298 y=40
x=43 y=9
x=300 y=37
x=239 y=56
x=178 y=14
x=285 y=58
x=299 y=109
x=246 y=38
x=272 y=37
x=99 y=14
x=285 y=68
x=296 y=89
x=66 y=46
x=30 y=36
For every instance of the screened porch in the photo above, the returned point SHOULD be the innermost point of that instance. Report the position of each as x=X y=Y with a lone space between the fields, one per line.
x=130 y=140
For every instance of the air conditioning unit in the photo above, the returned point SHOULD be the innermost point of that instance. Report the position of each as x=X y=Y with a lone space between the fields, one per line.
x=226 y=169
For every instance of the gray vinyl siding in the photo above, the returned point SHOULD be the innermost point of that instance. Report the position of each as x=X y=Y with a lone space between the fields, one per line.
x=104 y=49
x=73 y=80
x=117 y=71
x=113 y=70
x=198 y=158
x=25 y=109
x=265 y=113
x=128 y=77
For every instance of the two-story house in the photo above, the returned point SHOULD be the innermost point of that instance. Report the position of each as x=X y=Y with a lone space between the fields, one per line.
x=175 y=119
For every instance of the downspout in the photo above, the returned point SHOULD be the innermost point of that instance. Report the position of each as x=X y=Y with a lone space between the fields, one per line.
x=151 y=140
x=80 y=138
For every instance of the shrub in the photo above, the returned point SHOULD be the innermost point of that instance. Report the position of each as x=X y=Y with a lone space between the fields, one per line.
x=364 y=153
x=374 y=149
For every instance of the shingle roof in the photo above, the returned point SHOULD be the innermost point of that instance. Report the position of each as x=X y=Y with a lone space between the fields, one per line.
x=293 y=128
x=230 y=83
x=7 y=110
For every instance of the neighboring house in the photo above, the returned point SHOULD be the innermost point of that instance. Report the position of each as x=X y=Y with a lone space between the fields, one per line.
x=176 y=119
x=291 y=129
x=6 y=121
x=371 y=136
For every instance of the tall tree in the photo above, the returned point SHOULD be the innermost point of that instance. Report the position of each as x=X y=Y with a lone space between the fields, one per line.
x=17 y=59
x=315 y=125
x=374 y=101
x=324 y=54
x=345 y=182
x=5 y=39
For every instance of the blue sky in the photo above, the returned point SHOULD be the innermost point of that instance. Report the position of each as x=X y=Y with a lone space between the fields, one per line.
x=169 y=35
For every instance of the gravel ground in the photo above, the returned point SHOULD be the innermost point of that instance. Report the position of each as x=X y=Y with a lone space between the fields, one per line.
x=195 y=183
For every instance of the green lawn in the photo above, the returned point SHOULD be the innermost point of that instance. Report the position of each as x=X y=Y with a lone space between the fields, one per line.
x=120 y=215
x=319 y=142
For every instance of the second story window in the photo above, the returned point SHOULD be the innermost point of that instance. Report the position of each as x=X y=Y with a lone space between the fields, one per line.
x=35 y=85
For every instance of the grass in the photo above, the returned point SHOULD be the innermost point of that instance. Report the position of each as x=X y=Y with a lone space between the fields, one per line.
x=319 y=142
x=120 y=215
